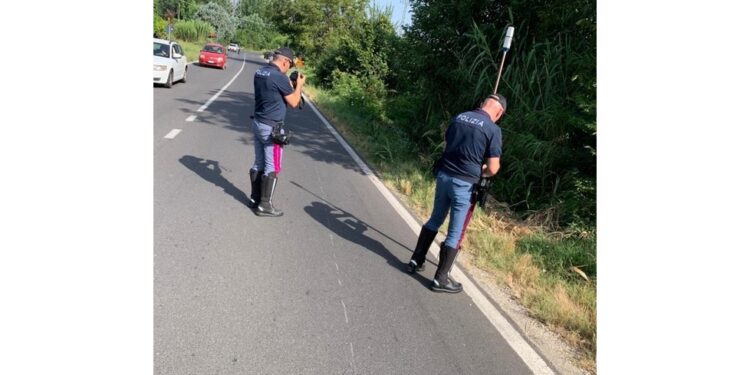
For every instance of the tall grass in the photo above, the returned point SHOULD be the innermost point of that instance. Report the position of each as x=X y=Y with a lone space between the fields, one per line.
x=549 y=139
x=192 y=30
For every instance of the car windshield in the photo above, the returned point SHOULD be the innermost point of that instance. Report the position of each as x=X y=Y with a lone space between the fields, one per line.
x=213 y=49
x=161 y=49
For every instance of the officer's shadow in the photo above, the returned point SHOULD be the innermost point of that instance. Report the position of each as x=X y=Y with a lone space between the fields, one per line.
x=210 y=171
x=353 y=229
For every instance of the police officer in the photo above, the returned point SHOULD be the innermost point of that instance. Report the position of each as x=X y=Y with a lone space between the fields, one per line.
x=273 y=92
x=472 y=149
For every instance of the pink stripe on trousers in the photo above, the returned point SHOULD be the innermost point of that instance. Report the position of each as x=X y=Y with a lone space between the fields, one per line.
x=277 y=158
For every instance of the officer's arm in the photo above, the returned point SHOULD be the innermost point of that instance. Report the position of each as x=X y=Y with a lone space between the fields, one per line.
x=491 y=168
x=293 y=99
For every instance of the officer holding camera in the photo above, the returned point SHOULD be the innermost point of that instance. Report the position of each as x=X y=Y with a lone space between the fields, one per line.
x=273 y=92
x=472 y=150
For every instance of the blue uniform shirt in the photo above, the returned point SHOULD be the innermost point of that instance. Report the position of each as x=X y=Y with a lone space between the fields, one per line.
x=271 y=86
x=471 y=138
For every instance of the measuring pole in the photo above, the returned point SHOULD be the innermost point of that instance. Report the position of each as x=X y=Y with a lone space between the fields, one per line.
x=506 y=48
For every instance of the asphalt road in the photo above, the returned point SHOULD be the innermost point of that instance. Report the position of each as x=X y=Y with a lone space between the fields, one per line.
x=319 y=290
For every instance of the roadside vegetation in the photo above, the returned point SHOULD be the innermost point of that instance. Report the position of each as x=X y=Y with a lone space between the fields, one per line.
x=392 y=93
x=219 y=21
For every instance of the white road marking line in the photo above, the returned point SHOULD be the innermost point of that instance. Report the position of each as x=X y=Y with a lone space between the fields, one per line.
x=351 y=349
x=173 y=133
x=337 y=266
x=340 y=282
x=203 y=107
x=345 y=315
x=515 y=340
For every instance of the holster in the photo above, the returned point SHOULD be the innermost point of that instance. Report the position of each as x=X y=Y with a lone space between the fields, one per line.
x=436 y=166
x=278 y=137
x=480 y=191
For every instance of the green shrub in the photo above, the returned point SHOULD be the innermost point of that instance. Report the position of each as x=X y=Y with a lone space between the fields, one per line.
x=160 y=27
x=364 y=93
x=279 y=40
x=404 y=110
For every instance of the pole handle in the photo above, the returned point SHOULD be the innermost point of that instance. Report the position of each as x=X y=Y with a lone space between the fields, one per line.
x=499 y=73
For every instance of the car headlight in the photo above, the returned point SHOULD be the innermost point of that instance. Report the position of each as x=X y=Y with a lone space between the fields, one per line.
x=203 y=56
x=221 y=59
x=160 y=67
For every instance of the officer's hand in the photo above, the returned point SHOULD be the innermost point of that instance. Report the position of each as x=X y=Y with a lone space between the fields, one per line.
x=484 y=171
x=301 y=79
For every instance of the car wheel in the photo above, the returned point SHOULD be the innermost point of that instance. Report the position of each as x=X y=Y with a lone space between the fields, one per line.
x=184 y=77
x=169 y=80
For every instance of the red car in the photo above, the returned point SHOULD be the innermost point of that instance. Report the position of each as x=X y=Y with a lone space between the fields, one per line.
x=213 y=54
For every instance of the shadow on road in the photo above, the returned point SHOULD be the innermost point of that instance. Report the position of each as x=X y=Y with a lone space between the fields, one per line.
x=351 y=228
x=347 y=213
x=210 y=171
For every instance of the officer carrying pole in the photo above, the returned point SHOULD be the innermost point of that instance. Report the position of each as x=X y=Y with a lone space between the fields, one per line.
x=482 y=188
x=472 y=155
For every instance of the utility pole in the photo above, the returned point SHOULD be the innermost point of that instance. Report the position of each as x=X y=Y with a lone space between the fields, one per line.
x=169 y=28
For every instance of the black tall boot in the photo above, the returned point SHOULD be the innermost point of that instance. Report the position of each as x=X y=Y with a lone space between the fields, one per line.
x=255 y=186
x=443 y=282
x=424 y=241
x=266 y=208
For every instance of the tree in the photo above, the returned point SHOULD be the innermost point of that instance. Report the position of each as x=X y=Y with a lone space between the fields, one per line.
x=225 y=4
x=254 y=32
x=184 y=8
x=315 y=25
x=259 y=7
x=223 y=22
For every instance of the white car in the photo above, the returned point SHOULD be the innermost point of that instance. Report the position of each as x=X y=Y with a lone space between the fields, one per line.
x=170 y=63
x=233 y=47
